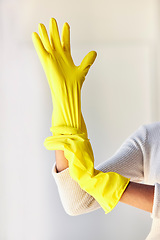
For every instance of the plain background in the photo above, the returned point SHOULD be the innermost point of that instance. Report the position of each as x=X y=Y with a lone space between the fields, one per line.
x=121 y=93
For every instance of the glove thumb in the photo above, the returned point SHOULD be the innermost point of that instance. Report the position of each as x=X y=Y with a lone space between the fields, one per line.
x=87 y=61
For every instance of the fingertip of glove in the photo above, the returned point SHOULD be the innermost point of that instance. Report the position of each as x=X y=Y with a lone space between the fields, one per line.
x=94 y=54
x=67 y=25
x=53 y=21
x=34 y=35
x=40 y=26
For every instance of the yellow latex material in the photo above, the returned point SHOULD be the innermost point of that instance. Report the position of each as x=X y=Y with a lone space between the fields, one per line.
x=68 y=126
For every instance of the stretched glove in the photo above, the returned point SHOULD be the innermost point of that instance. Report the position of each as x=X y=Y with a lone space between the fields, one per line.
x=68 y=127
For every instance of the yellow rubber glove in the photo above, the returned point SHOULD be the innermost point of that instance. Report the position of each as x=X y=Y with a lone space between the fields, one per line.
x=68 y=127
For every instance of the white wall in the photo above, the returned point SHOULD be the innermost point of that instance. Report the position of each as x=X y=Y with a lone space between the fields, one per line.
x=121 y=92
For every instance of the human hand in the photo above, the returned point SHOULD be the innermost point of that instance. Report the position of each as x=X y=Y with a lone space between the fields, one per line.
x=64 y=77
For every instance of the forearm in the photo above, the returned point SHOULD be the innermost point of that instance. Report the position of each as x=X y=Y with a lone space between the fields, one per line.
x=139 y=195
x=61 y=161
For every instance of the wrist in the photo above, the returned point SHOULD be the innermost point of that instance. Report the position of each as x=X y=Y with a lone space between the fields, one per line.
x=72 y=123
x=61 y=161
x=67 y=106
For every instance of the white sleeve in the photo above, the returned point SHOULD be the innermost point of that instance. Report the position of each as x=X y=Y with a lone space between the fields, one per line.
x=75 y=201
x=156 y=202
x=127 y=161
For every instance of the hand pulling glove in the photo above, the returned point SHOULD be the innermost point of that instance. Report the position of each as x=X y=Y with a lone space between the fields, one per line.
x=68 y=126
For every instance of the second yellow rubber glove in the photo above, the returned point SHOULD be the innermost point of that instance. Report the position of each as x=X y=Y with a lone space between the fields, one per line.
x=68 y=127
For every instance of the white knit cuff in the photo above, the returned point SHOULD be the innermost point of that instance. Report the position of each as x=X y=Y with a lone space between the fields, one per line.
x=60 y=177
x=156 y=202
x=74 y=200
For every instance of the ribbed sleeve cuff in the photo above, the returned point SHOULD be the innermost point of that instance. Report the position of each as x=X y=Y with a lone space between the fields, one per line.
x=75 y=201
x=156 y=202
x=61 y=176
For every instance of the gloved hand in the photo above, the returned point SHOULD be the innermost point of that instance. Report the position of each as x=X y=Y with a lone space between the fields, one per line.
x=64 y=78
x=68 y=127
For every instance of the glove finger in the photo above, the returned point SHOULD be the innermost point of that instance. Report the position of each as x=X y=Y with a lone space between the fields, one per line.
x=65 y=38
x=54 y=35
x=41 y=51
x=44 y=37
x=87 y=62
